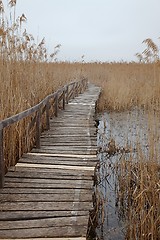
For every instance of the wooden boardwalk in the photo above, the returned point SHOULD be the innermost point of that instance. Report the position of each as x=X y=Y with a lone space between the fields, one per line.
x=48 y=194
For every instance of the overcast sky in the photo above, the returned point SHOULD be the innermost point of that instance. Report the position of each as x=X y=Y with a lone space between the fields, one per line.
x=103 y=30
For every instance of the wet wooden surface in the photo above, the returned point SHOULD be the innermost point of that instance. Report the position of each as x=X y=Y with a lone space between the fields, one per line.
x=48 y=194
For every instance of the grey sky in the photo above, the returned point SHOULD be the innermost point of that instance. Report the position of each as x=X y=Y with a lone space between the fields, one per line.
x=103 y=30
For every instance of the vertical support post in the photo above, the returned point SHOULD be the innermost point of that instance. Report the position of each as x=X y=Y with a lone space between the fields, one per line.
x=67 y=100
x=38 y=129
x=56 y=105
x=76 y=89
x=80 y=87
x=64 y=102
x=73 y=90
x=47 y=116
x=2 y=169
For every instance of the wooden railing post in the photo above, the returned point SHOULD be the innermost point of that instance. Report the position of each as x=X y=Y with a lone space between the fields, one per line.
x=1 y=159
x=56 y=105
x=38 y=129
x=67 y=100
x=76 y=89
x=47 y=115
x=64 y=100
x=73 y=89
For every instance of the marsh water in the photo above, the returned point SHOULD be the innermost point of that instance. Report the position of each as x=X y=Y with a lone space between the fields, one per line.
x=128 y=131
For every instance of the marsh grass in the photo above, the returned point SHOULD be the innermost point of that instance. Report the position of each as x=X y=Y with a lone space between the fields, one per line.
x=28 y=73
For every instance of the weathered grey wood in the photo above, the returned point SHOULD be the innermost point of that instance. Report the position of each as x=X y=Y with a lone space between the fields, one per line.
x=45 y=206
x=67 y=98
x=53 y=197
x=43 y=223
x=47 y=186
x=64 y=99
x=38 y=130
x=43 y=191
x=61 y=171
x=65 y=231
x=40 y=109
x=45 y=175
x=59 y=162
x=49 y=182
x=56 y=105
x=21 y=215
x=48 y=194
x=47 y=116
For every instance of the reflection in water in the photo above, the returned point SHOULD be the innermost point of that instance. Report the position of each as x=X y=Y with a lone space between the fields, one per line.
x=127 y=131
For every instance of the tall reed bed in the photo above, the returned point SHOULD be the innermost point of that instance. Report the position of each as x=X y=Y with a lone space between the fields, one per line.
x=126 y=87
x=28 y=73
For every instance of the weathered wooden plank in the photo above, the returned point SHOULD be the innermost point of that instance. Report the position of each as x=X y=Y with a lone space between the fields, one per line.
x=52 y=197
x=65 y=238
x=61 y=171
x=47 y=185
x=49 y=181
x=28 y=165
x=65 y=231
x=58 y=162
x=44 y=223
x=71 y=149
x=31 y=190
x=91 y=156
x=45 y=206
x=50 y=142
x=58 y=158
x=26 y=215
x=51 y=151
x=46 y=175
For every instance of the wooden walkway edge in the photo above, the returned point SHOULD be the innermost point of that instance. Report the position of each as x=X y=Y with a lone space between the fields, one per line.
x=48 y=194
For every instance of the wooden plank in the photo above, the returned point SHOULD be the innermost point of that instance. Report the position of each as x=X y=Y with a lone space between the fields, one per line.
x=63 y=155
x=52 y=197
x=58 y=158
x=50 y=142
x=61 y=171
x=64 y=231
x=27 y=215
x=43 y=191
x=49 y=181
x=45 y=206
x=78 y=149
x=83 y=168
x=51 y=151
x=47 y=185
x=44 y=223
x=59 y=162
x=46 y=175
x=70 y=238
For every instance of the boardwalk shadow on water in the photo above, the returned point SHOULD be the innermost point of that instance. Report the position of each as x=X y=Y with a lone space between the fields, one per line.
x=117 y=133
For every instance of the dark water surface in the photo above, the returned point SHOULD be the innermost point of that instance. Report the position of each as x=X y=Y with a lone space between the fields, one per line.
x=127 y=130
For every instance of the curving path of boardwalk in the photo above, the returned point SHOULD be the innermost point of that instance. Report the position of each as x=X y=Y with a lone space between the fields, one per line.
x=48 y=194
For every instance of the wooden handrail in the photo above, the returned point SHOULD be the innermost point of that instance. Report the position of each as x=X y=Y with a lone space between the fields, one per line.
x=64 y=94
